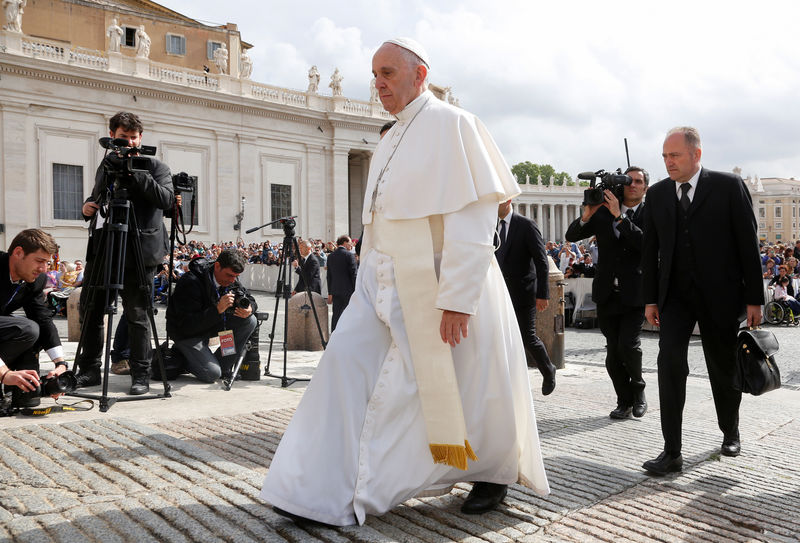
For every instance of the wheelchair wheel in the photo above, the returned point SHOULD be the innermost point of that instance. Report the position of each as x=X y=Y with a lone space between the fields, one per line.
x=773 y=313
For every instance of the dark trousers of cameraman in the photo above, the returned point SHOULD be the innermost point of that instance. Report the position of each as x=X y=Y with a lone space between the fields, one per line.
x=19 y=339
x=135 y=299
x=208 y=366
x=622 y=327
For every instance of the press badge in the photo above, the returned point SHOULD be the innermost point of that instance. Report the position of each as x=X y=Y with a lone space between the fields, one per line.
x=226 y=343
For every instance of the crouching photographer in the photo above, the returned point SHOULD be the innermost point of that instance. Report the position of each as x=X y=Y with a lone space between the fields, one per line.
x=21 y=338
x=209 y=301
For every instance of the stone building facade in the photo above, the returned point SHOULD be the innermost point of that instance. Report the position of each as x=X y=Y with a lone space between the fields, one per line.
x=261 y=149
x=776 y=202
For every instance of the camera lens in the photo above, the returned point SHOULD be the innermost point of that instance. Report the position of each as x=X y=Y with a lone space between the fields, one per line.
x=66 y=382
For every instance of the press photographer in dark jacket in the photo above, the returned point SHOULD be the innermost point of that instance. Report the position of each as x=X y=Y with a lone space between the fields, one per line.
x=150 y=193
x=206 y=303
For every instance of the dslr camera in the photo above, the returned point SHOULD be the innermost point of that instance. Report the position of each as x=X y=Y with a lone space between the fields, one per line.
x=602 y=180
x=59 y=384
x=240 y=300
x=183 y=182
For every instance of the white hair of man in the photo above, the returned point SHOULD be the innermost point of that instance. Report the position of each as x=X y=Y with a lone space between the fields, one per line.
x=412 y=60
x=690 y=135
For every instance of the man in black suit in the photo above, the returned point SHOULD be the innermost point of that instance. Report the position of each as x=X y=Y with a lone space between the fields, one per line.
x=682 y=214
x=306 y=266
x=617 y=286
x=21 y=338
x=150 y=193
x=341 y=277
x=523 y=261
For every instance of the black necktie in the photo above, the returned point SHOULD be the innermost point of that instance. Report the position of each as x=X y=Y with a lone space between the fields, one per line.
x=629 y=212
x=502 y=231
x=685 y=202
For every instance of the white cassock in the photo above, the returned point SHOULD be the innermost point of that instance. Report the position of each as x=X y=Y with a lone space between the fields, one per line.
x=357 y=443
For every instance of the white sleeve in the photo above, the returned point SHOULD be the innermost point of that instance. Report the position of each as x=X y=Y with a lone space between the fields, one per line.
x=467 y=252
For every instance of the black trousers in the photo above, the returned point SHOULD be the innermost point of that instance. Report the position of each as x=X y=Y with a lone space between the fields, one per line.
x=19 y=343
x=339 y=304
x=534 y=347
x=681 y=311
x=622 y=327
x=136 y=297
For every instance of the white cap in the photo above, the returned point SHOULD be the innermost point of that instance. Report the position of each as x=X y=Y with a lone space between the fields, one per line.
x=412 y=45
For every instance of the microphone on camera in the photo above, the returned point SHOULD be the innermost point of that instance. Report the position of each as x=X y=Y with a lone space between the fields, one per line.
x=250 y=231
x=587 y=175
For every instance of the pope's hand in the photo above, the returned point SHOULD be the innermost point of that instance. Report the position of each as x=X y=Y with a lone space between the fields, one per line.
x=454 y=326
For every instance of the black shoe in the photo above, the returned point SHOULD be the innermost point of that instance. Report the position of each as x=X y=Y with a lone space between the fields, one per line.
x=639 y=405
x=88 y=378
x=731 y=447
x=665 y=463
x=299 y=519
x=483 y=497
x=548 y=380
x=140 y=385
x=621 y=412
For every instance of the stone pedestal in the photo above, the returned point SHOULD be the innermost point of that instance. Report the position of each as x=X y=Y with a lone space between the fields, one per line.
x=142 y=67
x=74 y=315
x=11 y=42
x=550 y=322
x=114 y=61
x=302 y=333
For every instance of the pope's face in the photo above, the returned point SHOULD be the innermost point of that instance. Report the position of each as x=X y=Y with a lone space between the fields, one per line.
x=397 y=82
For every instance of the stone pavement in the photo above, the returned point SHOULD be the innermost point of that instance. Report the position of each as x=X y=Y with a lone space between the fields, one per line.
x=189 y=468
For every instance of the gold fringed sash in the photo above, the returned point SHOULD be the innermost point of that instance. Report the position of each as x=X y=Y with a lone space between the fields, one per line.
x=410 y=244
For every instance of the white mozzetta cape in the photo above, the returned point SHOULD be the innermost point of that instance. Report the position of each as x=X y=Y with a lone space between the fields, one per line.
x=472 y=167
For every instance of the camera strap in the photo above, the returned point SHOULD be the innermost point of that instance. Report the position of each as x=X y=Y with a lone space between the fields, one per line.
x=81 y=405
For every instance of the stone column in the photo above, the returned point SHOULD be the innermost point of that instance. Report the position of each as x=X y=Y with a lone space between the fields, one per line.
x=17 y=189
x=553 y=223
x=564 y=222
x=228 y=199
x=317 y=193
x=539 y=220
x=248 y=179
x=338 y=204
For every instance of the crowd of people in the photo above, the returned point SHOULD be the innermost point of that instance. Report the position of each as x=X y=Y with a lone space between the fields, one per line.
x=267 y=252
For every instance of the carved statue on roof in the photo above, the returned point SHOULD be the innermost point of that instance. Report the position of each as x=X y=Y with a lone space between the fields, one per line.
x=13 y=10
x=245 y=66
x=313 y=80
x=373 y=92
x=114 y=34
x=221 y=58
x=336 y=83
x=142 y=43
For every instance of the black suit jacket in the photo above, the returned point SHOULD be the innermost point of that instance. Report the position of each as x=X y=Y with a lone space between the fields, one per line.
x=151 y=194
x=311 y=269
x=523 y=261
x=341 y=272
x=721 y=227
x=617 y=257
x=29 y=297
x=192 y=310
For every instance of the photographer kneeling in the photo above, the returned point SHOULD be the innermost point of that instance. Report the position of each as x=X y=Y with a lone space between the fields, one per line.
x=208 y=301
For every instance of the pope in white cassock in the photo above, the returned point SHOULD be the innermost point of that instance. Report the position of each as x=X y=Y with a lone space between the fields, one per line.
x=424 y=383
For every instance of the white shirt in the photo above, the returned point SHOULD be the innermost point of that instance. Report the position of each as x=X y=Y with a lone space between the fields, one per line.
x=692 y=183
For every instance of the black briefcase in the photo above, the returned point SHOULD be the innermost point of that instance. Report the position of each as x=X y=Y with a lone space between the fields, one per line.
x=757 y=371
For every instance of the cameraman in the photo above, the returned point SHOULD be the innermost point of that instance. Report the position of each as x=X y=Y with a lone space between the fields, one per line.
x=21 y=338
x=150 y=193
x=617 y=286
x=208 y=301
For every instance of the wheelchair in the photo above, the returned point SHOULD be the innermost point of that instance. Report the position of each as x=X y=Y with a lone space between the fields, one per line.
x=778 y=312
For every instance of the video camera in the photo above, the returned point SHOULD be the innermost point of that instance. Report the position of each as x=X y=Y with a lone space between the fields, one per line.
x=613 y=181
x=125 y=159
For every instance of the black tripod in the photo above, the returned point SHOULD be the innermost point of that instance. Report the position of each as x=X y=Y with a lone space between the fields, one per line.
x=109 y=278
x=284 y=289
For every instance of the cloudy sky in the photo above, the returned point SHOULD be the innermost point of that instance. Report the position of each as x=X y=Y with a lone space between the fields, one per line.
x=563 y=82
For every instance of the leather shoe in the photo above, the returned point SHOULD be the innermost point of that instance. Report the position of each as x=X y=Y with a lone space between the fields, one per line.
x=639 y=405
x=88 y=378
x=24 y=399
x=664 y=463
x=548 y=380
x=731 y=447
x=483 y=497
x=140 y=385
x=621 y=412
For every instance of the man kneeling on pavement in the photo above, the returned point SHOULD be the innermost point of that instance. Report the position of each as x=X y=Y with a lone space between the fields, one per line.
x=210 y=302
